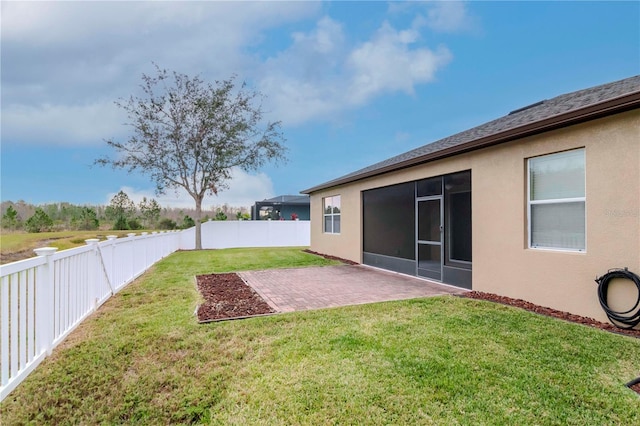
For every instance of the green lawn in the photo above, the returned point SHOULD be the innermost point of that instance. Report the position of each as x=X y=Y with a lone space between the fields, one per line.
x=143 y=359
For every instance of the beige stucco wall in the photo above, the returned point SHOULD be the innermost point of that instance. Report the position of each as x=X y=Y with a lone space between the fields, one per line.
x=502 y=263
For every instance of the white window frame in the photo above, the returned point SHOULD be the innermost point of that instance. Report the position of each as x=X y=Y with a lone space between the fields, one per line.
x=331 y=214
x=531 y=203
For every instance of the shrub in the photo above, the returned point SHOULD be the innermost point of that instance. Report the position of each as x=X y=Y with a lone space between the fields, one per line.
x=86 y=219
x=167 y=223
x=11 y=219
x=188 y=222
x=134 y=224
x=121 y=224
x=39 y=222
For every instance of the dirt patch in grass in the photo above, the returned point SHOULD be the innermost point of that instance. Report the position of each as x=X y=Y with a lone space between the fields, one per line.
x=227 y=296
x=16 y=256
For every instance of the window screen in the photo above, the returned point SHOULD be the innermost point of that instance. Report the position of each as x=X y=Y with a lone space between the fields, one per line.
x=556 y=204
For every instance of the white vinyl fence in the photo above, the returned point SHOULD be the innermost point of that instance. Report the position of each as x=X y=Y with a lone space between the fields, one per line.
x=44 y=298
x=250 y=233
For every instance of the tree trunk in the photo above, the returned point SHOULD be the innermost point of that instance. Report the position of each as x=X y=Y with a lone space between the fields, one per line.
x=198 y=223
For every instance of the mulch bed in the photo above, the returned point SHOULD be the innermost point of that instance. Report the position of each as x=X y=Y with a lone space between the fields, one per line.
x=227 y=296
x=328 y=256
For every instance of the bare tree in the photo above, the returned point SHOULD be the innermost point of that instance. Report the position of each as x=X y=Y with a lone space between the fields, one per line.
x=191 y=134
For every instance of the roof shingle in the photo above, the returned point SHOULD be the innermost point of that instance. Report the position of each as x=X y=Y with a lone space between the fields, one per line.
x=544 y=113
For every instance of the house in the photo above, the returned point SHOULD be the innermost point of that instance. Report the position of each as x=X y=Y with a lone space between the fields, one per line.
x=281 y=207
x=533 y=205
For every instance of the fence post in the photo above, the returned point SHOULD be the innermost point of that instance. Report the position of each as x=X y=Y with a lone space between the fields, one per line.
x=156 y=247
x=93 y=273
x=132 y=256
x=45 y=309
x=145 y=242
x=111 y=268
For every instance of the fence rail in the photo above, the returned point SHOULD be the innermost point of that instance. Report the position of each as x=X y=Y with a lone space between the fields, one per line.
x=250 y=233
x=44 y=298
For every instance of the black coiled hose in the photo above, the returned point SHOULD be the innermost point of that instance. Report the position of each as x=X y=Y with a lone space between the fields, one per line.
x=621 y=319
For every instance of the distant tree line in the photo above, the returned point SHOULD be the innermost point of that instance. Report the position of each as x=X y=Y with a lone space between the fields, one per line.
x=120 y=214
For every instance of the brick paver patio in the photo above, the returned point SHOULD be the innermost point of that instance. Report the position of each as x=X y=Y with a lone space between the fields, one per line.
x=297 y=289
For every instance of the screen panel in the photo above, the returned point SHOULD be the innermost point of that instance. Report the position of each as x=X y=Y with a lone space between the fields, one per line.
x=429 y=220
x=430 y=187
x=458 y=218
x=389 y=220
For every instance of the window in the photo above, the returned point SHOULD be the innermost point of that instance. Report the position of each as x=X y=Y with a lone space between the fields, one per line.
x=556 y=201
x=331 y=211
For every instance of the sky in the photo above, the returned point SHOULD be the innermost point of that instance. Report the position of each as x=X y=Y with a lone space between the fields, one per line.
x=352 y=83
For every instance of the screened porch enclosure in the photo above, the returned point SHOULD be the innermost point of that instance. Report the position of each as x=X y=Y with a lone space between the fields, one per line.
x=421 y=228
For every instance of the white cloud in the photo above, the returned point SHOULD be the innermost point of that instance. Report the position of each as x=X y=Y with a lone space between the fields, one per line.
x=244 y=190
x=79 y=22
x=448 y=16
x=61 y=57
x=325 y=39
x=321 y=76
x=64 y=63
x=302 y=82
x=388 y=64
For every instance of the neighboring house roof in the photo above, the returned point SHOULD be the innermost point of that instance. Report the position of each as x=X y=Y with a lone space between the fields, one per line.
x=561 y=111
x=286 y=199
